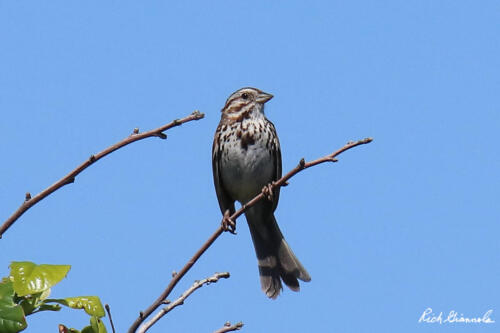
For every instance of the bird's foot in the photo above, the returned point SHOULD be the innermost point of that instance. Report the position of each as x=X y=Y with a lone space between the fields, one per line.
x=267 y=191
x=228 y=224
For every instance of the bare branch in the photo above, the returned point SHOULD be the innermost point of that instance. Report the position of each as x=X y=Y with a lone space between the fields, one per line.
x=229 y=328
x=108 y=310
x=283 y=181
x=70 y=177
x=175 y=279
x=171 y=305
x=280 y=182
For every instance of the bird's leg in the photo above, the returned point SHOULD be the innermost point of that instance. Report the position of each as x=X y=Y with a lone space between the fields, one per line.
x=227 y=223
x=267 y=191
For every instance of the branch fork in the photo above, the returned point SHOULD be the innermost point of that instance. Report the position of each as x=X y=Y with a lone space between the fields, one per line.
x=179 y=301
x=283 y=181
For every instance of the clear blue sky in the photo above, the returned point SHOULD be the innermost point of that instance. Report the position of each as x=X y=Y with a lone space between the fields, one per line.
x=408 y=222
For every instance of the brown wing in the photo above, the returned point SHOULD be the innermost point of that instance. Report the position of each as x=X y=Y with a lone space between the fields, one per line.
x=277 y=167
x=225 y=201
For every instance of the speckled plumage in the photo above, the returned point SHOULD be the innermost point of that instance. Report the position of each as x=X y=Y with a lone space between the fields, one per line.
x=246 y=156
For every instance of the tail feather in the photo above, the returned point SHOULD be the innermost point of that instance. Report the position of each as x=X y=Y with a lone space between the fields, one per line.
x=290 y=263
x=276 y=260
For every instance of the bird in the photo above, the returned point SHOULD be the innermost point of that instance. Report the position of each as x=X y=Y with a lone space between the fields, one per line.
x=246 y=159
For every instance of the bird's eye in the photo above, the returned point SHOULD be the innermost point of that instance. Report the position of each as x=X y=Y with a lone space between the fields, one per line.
x=244 y=96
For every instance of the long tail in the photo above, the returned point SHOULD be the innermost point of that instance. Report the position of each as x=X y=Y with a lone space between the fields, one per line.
x=275 y=257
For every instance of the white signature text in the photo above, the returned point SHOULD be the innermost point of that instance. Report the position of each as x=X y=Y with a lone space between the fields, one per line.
x=454 y=317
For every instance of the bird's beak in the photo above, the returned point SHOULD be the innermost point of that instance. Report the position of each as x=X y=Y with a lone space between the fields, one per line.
x=264 y=97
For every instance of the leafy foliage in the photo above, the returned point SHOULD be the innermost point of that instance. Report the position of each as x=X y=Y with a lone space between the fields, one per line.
x=26 y=290
x=11 y=314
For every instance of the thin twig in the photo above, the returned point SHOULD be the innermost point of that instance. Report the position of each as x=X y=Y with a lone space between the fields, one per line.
x=229 y=328
x=70 y=177
x=198 y=284
x=108 y=310
x=280 y=182
x=283 y=181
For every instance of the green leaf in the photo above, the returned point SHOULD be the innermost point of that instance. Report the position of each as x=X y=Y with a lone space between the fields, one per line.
x=88 y=329
x=49 y=307
x=11 y=315
x=30 y=278
x=32 y=303
x=6 y=294
x=12 y=320
x=91 y=304
x=44 y=295
x=28 y=305
x=96 y=326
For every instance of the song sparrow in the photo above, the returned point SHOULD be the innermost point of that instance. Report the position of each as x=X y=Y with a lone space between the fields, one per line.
x=246 y=157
